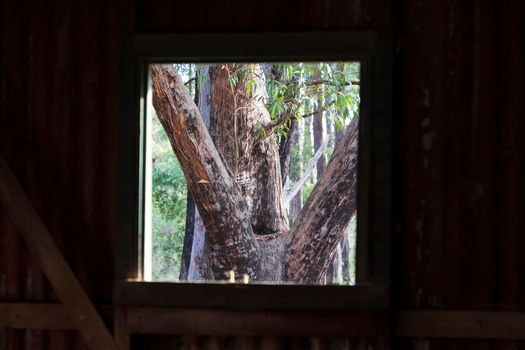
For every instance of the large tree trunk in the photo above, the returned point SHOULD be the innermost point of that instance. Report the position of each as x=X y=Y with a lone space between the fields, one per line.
x=252 y=160
x=236 y=182
x=224 y=211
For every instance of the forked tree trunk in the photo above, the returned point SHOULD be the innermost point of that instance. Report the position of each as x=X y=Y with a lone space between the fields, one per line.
x=236 y=183
x=237 y=113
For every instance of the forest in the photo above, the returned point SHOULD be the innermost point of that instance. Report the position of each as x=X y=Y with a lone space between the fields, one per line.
x=254 y=172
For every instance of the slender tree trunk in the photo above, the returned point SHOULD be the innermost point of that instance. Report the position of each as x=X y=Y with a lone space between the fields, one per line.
x=345 y=258
x=190 y=210
x=331 y=132
x=188 y=237
x=285 y=149
x=297 y=202
x=318 y=130
x=199 y=268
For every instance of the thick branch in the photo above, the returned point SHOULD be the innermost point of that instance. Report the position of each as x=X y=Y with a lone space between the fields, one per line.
x=322 y=222
x=224 y=212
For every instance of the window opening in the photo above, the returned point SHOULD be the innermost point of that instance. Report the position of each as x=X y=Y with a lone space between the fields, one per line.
x=250 y=145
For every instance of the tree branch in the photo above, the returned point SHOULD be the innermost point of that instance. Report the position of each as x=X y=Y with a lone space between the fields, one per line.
x=322 y=222
x=270 y=127
x=189 y=81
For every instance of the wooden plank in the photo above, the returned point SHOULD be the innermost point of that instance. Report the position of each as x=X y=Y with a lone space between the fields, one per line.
x=255 y=47
x=120 y=330
x=251 y=296
x=35 y=316
x=460 y=324
x=56 y=268
x=221 y=322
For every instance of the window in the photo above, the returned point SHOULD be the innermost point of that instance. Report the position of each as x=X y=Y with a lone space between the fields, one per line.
x=274 y=127
x=306 y=60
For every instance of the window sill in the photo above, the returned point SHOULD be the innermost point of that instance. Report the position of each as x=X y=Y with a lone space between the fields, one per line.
x=369 y=297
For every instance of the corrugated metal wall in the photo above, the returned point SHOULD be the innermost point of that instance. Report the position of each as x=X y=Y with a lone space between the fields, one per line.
x=459 y=115
x=57 y=131
x=461 y=81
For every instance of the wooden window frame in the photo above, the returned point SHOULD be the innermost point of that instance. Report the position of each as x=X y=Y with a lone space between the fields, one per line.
x=374 y=50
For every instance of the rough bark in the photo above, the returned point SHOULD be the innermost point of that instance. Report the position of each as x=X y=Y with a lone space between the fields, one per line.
x=224 y=211
x=318 y=141
x=252 y=160
x=318 y=229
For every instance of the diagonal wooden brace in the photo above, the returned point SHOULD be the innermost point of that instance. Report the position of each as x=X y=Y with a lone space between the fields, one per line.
x=52 y=262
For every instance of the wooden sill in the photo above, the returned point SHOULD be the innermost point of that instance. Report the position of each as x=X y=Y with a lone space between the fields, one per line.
x=251 y=296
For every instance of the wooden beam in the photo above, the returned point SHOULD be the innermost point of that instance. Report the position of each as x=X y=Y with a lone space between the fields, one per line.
x=460 y=324
x=120 y=330
x=39 y=240
x=35 y=316
x=251 y=296
x=221 y=322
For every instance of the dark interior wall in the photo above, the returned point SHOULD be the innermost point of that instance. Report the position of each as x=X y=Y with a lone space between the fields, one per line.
x=273 y=15
x=459 y=80
x=58 y=115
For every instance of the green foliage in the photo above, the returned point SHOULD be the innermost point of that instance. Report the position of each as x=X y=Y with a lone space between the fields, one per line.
x=294 y=88
x=169 y=207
